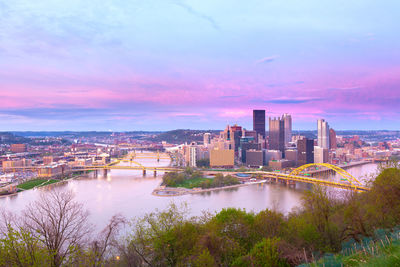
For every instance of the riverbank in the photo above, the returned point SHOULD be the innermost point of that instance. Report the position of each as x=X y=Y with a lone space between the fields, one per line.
x=32 y=184
x=163 y=191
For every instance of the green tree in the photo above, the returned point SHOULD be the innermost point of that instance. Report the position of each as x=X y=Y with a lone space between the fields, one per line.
x=320 y=209
x=236 y=224
x=204 y=260
x=203 y=163
x=384 y=198
x=269 y=223
x=263 y=254
x=21 y=248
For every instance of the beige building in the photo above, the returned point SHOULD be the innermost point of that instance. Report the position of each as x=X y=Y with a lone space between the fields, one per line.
x=17 y=163
x=222 y=158
x=52 y=170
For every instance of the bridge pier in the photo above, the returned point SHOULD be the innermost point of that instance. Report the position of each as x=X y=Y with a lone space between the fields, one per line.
x=290 y=183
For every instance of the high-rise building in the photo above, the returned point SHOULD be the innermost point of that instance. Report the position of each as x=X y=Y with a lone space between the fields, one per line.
x=323 y=133
x=332 y=139
x=247 y=143
x=193 y=156
x=277 y=134
x=232 y=135
x=236 y=134
x=259 y=122
x=305 y=150
x=321 y=155
x=288 y=127
x=207 y=139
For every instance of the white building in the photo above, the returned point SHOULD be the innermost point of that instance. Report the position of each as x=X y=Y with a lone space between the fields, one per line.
x=321 y=155
x=323 y=134
x=287 y=119
x=207 y=139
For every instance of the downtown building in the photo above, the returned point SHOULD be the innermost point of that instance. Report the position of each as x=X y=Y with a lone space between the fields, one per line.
x=277 y=134
x=287 y=121
x=259 y=122
x=321 y=151
x=323 y=133
x=332 y=139
x=305 y=151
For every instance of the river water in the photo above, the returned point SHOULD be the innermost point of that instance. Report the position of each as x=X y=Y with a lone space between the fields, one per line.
x=129 y=193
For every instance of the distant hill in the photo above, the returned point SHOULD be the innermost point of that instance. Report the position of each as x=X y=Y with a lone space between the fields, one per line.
x=182 y=135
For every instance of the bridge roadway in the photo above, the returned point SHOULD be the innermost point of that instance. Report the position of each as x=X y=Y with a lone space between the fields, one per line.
x=297 y=178
x=270 y=175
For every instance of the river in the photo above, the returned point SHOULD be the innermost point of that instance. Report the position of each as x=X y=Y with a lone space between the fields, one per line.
x=129 y=193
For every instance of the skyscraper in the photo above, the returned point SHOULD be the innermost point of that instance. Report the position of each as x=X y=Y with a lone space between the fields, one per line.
x=321 y=155
x=305 y=150
x=332 y=139
x=323 y=133
x=207 y=139
x=277 y=134
x=288 y=127
x=259 y=122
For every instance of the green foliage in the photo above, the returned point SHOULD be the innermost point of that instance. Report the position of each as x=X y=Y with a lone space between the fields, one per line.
x=266 y=169
x=263 y=254
x=190 y=179
x=384 y=205
x=204 y=260
x=203 y=163
x=36 y=182
x=236 y=224
x=221 y=180
x=20 y=248
x=320 y=211
x=242 y=169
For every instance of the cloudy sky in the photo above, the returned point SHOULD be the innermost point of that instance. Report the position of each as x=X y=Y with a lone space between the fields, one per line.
x=167 y=64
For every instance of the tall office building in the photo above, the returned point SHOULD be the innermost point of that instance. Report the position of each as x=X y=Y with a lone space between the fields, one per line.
x=288 y=127
x=305 y=150
x=323 y=134
x=277 y=134
x=207 y=139
x=332 y=139
x=259 y=122
x=321 y=155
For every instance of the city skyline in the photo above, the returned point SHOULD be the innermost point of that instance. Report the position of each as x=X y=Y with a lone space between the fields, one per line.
x=163 y=65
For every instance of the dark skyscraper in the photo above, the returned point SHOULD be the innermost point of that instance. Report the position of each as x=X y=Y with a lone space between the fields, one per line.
x=305 y=150
x=332 y=139
x=277 y=134
x=259 y=122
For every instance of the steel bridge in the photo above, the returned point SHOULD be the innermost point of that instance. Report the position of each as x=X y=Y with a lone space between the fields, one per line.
x=297 y=175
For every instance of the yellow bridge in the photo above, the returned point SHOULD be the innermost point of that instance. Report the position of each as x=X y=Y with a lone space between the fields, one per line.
x=349 y=182
x=297 y=175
